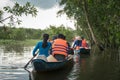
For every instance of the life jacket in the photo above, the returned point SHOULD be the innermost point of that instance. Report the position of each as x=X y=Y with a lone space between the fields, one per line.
x=84 y=44
x=59 y=46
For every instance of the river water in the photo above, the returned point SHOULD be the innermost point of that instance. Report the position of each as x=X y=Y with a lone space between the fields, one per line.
x=97 y=66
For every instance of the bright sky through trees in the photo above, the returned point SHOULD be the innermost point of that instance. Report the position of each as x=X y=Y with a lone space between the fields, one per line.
x=47 y=14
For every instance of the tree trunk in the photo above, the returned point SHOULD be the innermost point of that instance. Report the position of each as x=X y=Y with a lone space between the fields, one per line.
x=88 y=23
x=6 y=18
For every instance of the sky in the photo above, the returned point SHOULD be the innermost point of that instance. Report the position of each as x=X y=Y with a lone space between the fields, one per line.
x=47 y=14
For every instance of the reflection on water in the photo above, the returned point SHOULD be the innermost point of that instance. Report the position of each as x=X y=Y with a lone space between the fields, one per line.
x=13 y=74
x=13 y=59
x=76 y=68
x=94 y=67
x=12 y=62
x=99 y=67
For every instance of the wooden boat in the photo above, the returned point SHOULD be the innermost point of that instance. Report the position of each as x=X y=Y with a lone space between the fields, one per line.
x=85 y=51
x=40 y=65
x=59 y=74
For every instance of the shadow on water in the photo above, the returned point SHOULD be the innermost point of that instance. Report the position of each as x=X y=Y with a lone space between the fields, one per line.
x=60 y=74
x=100 y=66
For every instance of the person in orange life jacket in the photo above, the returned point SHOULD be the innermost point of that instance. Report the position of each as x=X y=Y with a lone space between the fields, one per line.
x=84 y=43
x=43 y=46
x=60 y=47
x=77 y=44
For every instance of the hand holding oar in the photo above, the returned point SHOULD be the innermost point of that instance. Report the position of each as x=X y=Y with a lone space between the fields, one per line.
x=30 y=60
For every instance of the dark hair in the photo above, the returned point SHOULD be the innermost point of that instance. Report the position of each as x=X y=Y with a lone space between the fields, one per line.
x=82 y=37
x=54 y=37
x=45 y=38
x=61 y=36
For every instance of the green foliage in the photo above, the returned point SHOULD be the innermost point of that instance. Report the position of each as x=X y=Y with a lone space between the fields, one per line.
x=53 y=31
x=18 y=34
x=13 y=43
x=23 y=34
x=18 y=10
x=103 y=16
x=3 y=33
x=1 y=13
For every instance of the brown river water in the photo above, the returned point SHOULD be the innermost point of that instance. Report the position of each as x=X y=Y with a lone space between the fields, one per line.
x=97 y=66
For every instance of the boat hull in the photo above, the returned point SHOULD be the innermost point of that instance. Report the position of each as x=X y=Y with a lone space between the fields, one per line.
x=84 y=51
x=40 y=65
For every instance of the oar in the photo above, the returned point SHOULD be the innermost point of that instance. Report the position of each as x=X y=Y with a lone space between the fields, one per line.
x=30 y=61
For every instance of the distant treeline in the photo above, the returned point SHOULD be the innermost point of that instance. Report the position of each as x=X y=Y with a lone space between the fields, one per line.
x=12 y=33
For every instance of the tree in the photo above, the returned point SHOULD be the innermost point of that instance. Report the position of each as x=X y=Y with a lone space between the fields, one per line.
x=55 y=30
x=18 y=10
x=15 y=11
x=99 y=17
x=18 y=34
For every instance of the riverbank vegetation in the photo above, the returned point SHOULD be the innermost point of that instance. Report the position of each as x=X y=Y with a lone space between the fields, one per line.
x=30 y=42
x=29 y=37
x=97 y=20
x=9 y=34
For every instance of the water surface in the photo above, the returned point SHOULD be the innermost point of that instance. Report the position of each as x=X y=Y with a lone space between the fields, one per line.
x=97 y=66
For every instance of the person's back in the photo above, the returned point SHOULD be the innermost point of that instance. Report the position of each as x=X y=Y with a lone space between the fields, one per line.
x=59 y=48
x=77 y=43
x=84 y=43
x=43 y=51
x=43 y=46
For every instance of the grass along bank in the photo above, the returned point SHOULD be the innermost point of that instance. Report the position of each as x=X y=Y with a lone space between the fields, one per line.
x=30 y=42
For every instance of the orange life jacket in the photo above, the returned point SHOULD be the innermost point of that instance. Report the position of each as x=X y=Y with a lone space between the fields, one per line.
x=84 y=44
x=59 y=46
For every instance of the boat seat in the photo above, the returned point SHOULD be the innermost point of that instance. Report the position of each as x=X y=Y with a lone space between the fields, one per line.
x=43 y=57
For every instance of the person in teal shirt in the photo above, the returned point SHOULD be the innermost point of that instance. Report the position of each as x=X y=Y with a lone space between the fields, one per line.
x=44 y=46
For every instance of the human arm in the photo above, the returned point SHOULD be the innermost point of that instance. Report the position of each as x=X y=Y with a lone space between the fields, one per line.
x=73 y=44
x=35 y=49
